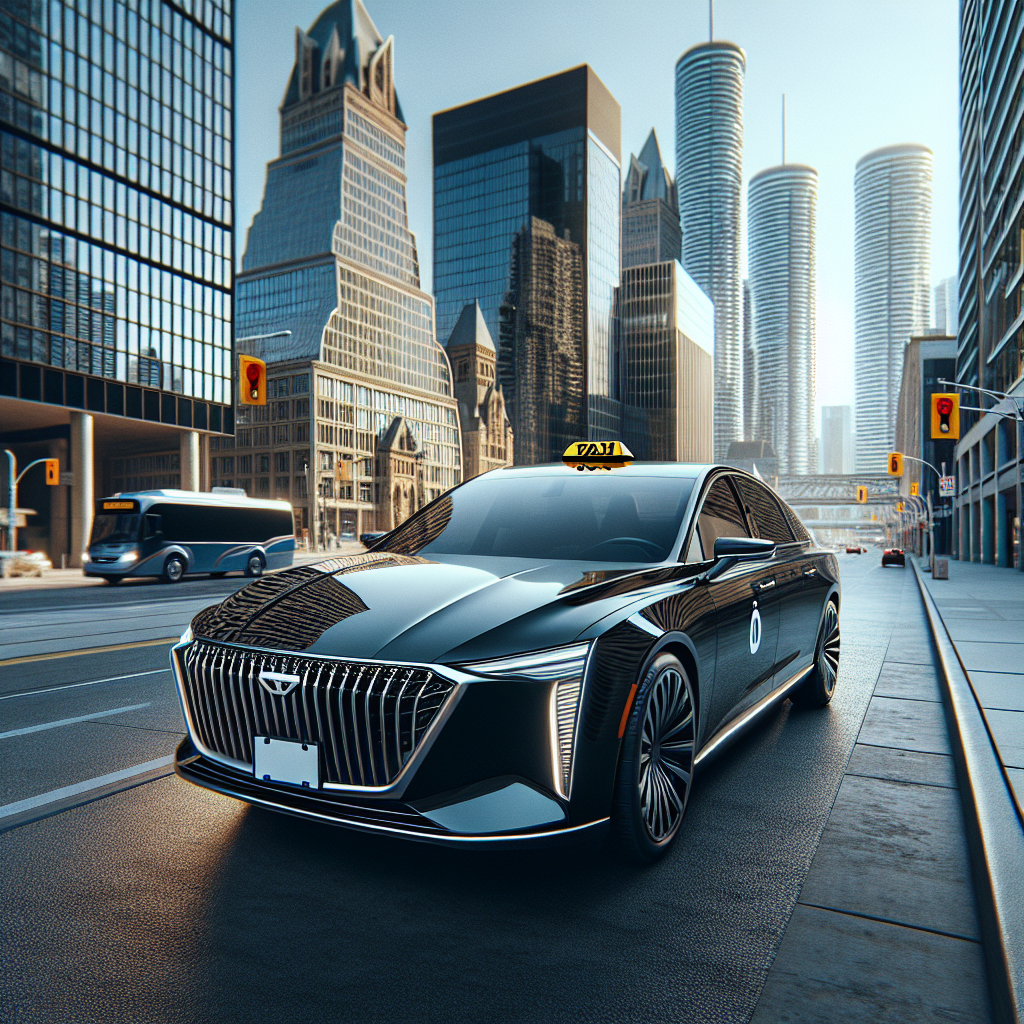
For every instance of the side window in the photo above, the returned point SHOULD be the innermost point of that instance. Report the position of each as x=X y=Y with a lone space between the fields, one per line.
x=720 y=516
x=798 y=528
x=768 y=517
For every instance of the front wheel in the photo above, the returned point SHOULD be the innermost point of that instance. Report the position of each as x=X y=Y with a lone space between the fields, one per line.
x=652 y=788
x=254 y=566
x=174 y=569
x=817 y=691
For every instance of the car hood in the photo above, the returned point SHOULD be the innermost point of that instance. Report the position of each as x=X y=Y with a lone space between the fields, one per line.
x=405 y=608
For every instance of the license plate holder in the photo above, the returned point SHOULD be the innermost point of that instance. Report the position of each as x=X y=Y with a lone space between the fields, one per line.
x=287 y=761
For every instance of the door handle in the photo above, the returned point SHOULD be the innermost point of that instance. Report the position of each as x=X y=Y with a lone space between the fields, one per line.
x=766 y=585
x=810 y=572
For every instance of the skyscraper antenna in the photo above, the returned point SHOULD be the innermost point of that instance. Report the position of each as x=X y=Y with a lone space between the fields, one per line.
x=783 y=127
x=711 y=21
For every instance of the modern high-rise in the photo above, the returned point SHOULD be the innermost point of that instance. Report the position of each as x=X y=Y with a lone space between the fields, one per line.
x=116 y=208
x=946 y=315
x=666 y=326
x=836 y=439
x=650 y=210
x=709 y=181
x=782 y=224
x=990 y=329
x=526 y=222
x=892 y=285
x=362 y=427
x=749 y=366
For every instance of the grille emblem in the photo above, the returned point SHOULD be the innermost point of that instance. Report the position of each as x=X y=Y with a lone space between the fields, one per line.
x=278 y=683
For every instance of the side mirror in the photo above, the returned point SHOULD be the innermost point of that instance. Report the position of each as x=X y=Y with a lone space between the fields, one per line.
x=730 y=550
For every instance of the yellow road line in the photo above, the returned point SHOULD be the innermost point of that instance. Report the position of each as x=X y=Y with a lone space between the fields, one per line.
x=88 y=650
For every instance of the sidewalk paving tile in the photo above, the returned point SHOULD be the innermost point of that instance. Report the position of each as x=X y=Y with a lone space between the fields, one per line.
x=916 y=682
x=997 y=630
x=903 y=765
x=833 y=967
x=990 y=657
x=895 y=851
x=907 y=724
x=1008 y=732
x=1002 y=690
x=911 y=652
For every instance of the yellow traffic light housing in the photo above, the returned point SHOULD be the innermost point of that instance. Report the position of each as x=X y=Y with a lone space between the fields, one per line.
x=895 y=463
x=252 y=381
x=53 y=472
x=945 y=417
x=915 y=490
x=862 y=495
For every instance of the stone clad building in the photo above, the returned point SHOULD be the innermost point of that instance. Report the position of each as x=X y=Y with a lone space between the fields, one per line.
x=486 y=430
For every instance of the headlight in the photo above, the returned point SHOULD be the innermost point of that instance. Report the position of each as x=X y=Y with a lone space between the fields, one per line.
x=563 y=667
x=186 y=637
x=130 y=556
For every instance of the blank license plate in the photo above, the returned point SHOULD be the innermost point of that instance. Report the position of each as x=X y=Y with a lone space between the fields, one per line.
x=286 y=761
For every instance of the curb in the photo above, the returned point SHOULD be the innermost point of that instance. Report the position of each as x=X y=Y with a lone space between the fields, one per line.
x=994 y=836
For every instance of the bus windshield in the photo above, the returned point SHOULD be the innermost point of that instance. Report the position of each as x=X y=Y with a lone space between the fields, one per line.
x=115 y=528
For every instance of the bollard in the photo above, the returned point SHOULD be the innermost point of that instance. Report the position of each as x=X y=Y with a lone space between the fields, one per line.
x=941 y=569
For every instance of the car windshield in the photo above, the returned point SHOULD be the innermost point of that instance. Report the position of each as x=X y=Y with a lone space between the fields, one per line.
x=115 y=528
x=608 y=518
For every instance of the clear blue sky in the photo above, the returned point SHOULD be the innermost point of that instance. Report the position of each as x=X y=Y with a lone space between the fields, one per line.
x=857 y=74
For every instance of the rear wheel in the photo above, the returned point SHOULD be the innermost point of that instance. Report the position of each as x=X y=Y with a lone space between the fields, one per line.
x=652 y=788
x=254 y=566
x=174 y=569
x=817 y=691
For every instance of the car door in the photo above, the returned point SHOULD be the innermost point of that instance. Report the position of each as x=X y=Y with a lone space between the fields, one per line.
x=746 y=602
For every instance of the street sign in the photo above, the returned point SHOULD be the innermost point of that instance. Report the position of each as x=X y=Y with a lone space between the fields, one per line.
x=67 y=477
x=947 y=486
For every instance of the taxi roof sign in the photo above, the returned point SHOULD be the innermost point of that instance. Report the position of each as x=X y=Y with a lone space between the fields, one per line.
x=592 y=455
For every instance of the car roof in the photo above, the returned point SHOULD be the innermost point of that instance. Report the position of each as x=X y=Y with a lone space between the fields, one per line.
x=687 y=470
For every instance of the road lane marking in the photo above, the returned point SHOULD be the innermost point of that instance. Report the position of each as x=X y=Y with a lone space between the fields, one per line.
x=91 y=682
x=71 y=721
x=88 y=650
x=19 y=806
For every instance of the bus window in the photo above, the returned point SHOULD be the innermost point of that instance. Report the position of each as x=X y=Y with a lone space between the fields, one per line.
x=115 y=528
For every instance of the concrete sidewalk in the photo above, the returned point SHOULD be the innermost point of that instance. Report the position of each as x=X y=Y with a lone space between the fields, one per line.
x=982 y=608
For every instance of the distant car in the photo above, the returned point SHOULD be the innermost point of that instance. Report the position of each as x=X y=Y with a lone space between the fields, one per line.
x=371 y=538
x=893 y=556
x=854 y=550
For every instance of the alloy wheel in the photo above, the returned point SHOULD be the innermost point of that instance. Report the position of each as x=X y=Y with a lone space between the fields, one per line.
x=828 y=653
x=666 y=754
x=255 y=566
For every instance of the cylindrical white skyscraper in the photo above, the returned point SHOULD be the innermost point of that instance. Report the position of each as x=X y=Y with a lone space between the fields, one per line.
x=782 y=212
x=892 y=285
x=709 y=181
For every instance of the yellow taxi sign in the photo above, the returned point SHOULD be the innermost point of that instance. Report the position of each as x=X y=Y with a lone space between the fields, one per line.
x=583 y=455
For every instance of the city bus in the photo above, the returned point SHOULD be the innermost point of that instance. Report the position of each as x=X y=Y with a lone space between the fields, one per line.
x=171 y=534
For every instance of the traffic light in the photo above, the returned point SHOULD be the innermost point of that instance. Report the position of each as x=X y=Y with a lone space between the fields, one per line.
x=252 y=381
x=899 y=506
x=895 y=463
x=915 y=490
x=53 y=472
x=945 y=417
x=862 y=495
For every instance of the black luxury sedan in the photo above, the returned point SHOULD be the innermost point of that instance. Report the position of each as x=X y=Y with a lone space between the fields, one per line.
x=539 y=653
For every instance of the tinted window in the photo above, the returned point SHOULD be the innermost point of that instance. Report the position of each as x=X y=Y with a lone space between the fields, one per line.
x=194 y=524
x=115 y=528
x=798 y=528
x=605 y=518
x=768 y=517
x=720 y=516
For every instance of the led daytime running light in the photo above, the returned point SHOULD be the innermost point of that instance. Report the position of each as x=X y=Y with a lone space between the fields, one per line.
x=555 y=663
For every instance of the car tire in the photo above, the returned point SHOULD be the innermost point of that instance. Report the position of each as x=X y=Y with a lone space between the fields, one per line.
x=652 y=790
x=113 y=580
x=817 y=691
x=254 y=565
x=174 y=569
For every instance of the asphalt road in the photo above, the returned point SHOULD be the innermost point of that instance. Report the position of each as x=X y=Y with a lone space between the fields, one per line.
x=162 y=902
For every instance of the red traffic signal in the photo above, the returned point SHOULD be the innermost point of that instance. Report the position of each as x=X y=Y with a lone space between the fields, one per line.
x=252 y=381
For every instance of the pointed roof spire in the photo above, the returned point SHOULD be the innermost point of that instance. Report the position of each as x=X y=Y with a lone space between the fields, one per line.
x=470 y=329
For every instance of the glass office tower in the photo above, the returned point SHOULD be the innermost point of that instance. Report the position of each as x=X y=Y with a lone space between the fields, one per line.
x=782 y=210
x=650 y=210
x=526 y=222
x=116 y=198
x=362 y=428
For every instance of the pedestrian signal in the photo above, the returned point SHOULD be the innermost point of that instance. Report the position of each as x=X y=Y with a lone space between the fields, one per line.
x=53 y=472
x=252 y=381
x=862 y=495
x=895 y=464
x=915 y=489
x=945 y=417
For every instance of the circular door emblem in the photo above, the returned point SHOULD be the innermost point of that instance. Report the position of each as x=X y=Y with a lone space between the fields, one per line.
x=755 y=631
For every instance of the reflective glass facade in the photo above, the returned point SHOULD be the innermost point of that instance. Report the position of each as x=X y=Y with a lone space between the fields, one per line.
x=331 y=267
x=526 y=223
x=116 y=125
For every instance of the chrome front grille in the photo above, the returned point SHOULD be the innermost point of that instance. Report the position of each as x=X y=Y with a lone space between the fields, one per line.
x=366 y=719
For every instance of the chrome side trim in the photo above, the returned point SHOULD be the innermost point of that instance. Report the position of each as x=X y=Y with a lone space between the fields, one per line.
x=636 y=619
x=732 y=729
